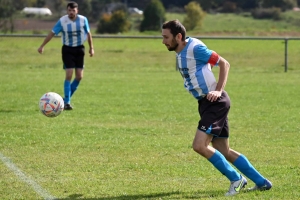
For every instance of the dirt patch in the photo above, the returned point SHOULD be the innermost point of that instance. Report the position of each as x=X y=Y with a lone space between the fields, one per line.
x=36 y=25
x=33 y=24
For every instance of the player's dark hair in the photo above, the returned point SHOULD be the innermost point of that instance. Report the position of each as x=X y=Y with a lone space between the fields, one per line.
x=72 y=4
x=175 y=27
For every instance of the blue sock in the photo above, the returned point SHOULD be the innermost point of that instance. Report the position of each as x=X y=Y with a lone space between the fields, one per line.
x=67 y=90
x=74 y=86
x=243 y=164
x=220 y=162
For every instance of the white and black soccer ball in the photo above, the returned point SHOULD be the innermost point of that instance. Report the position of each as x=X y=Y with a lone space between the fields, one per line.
x=51 y=104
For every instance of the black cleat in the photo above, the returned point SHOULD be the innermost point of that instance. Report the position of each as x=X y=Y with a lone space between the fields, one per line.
x=68 y=107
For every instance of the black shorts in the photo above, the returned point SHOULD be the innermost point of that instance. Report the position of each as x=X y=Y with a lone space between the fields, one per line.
x=213 y=116
x=73 y=57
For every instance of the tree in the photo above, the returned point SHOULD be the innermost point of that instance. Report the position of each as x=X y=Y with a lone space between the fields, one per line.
x=194 y=17
x=154 y=16
x=97 y=7
x=7 y=10
x=247 y=4
x=141 y=4
x=59 y=6
x=113 y=23
x=40 y=3
x=175 y=3
x=283 y=4
x=210 y=5
x=84 y=8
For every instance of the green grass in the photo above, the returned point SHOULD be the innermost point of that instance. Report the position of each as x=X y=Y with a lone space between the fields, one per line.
x=130 y=133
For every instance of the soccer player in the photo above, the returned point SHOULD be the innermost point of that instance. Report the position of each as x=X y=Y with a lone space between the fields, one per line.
x=195 y=61
x=75 y=30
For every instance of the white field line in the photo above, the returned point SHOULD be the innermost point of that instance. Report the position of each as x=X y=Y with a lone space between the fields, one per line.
x=36 y=187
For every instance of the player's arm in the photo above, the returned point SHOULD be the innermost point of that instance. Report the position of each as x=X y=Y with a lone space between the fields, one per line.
x=223 y=74
x=202 y=53
x=89 y=36
x=56 y=29
x=90 y=41
x=46 y=40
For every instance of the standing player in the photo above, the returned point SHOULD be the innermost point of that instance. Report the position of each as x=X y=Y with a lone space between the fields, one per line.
x=75 y=30
x=194 y=61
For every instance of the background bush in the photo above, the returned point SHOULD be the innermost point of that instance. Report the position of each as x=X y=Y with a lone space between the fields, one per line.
x=154 y=16
x=267 y=13
x=113 y=23
x=194 y=17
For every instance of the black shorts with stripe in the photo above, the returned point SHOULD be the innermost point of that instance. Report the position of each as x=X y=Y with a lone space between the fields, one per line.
x=213 y=116
x=73 y=57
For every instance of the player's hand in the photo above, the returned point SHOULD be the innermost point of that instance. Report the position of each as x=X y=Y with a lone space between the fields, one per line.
x=213 y=95
x=91 y=52
x=41 y=50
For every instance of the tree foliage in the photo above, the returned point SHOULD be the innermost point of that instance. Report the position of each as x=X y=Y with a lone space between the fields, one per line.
x=84 y=7
x=208 y=5
x=154 y=10
x=7 y=10
x=40 y=3
x=59 y=5
x=154 y=16
x=194 y=17
x=283 y=4
x=267 y=13
x=113 y=23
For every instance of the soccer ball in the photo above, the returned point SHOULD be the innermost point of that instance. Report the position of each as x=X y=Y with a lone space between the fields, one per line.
x=51 y=104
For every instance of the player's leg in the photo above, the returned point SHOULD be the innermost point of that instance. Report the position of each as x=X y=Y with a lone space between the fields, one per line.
x=77 y=79
x=213 y=117
x=79 y=63
x=69 y=65
x=241 y=163
x=201 y=146
x=67 y=88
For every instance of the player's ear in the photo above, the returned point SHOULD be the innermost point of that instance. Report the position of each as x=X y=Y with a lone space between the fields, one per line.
x=178 y=37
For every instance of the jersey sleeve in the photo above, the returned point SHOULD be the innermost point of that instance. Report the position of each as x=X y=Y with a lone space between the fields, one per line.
x=205 y=55
x=86 y=25
x=57 y=28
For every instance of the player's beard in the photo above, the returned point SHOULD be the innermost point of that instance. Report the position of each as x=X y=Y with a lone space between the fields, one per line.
x=173 y=46
x=72 y=16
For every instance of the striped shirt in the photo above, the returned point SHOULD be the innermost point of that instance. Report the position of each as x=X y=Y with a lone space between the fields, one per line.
x=194 y=63
x=74 y=33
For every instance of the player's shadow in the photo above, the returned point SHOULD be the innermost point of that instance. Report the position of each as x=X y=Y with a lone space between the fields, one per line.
x=154 y=196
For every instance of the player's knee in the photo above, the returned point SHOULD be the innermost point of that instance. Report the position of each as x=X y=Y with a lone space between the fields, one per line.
x=226 y=154
x=201 y=149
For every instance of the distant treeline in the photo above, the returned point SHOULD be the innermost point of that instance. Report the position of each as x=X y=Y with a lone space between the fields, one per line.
x=221 y=5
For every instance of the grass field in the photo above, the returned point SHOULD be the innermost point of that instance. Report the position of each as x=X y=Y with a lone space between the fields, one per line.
x=130 y=133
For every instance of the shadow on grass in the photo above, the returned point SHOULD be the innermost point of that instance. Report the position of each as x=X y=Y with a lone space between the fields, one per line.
x=7 y=111
x=171 y=195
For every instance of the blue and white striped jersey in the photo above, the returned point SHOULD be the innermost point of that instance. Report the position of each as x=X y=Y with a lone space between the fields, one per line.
x=74 y=33
x=194 y=63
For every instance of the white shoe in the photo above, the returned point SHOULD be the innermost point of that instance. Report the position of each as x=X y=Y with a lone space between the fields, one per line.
x=236 y=187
